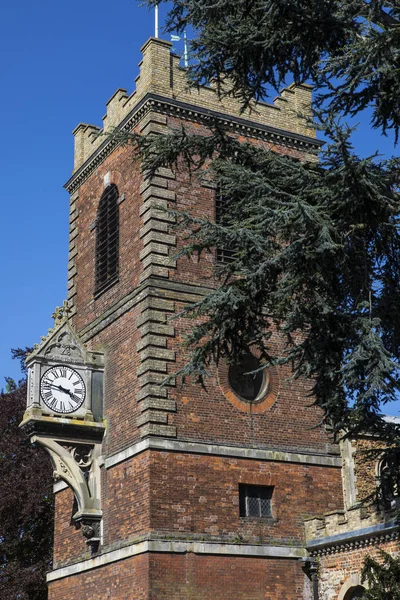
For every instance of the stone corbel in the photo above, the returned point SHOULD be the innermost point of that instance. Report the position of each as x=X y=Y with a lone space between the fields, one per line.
x=77 y=464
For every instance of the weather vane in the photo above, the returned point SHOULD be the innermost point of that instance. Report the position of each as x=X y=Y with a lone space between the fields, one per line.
x=177 y=38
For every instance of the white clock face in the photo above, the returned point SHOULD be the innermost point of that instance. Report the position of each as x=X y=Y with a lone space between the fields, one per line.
x=62 y=389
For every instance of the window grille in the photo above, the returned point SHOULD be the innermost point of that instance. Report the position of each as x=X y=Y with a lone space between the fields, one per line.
x=107 y=239
x=223 y=254
x=255 y=501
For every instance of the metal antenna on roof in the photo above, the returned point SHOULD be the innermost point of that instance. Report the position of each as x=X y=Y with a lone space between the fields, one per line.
x=156 y=20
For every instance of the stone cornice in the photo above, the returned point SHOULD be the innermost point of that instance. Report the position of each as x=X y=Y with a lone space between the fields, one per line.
x=153 y=102
x=353 y=540
x=178 y=547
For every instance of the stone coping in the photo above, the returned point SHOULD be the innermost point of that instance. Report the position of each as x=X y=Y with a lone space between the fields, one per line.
x=381 y=529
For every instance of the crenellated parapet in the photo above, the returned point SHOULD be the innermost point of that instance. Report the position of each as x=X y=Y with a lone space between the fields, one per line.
x=162 y=77
x=361 y=522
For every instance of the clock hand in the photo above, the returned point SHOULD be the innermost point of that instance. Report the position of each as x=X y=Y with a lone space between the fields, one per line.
x=61 y=389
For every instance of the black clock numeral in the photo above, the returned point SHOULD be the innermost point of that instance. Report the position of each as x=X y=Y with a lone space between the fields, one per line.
x=75 y=398
x=58 y=395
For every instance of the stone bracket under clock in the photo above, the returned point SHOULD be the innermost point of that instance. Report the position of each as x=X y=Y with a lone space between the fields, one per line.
x=77 y=463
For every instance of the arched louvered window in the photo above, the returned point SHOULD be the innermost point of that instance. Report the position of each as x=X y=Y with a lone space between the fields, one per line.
x=107 y=240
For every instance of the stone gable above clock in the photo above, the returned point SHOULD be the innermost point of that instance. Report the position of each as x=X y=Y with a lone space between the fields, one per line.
x=65 y=379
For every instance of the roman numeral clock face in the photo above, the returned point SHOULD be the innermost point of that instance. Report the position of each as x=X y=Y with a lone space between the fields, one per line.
x=62 y=389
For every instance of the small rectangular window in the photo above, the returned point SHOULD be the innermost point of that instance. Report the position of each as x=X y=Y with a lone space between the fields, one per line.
x=255 y=501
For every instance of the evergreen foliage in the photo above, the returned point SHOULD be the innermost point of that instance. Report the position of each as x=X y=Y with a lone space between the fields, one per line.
x=26 y=503
x=349 y=49
x=382 y=577
x=315 y=245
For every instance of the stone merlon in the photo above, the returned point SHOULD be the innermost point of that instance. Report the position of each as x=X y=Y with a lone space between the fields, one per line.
x=161 y=75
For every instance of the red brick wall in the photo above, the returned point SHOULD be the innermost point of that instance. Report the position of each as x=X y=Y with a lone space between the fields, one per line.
x=120 y=381
x=193 y=577
x=197 y=494
x=69 y=544
x=205 y=414
x=127 y=500
x=124 y=580
x=125 y=173
x=185 y=496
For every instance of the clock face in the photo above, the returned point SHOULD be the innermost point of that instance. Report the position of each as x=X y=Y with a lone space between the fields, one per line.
x=62 y=389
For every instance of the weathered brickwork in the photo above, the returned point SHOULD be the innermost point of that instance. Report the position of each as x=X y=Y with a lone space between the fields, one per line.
x=200 y=495
x=175 y=497
x=341 y=571
x=68 y=544
x=366 y=467
x=124 y=580
x=192 y=577
x=185 y=577
x=166 y=495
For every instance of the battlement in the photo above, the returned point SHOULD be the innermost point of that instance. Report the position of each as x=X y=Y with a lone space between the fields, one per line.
x=345 y=526
x=161 y=75
x=340 y=522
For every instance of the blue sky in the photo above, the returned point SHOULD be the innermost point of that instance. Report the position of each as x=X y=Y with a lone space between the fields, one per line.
x=59 y=64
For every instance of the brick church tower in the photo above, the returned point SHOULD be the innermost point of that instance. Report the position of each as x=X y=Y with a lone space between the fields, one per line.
x=182 y=492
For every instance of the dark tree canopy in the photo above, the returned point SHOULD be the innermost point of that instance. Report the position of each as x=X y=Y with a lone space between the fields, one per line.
x=349 y=50
x=382 y=577
x=315 y=246
x=26 y=503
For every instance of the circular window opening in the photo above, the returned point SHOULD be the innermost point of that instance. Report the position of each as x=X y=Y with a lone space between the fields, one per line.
x=248 y=384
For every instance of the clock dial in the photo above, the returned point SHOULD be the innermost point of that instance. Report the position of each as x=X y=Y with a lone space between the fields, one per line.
x=62 y=389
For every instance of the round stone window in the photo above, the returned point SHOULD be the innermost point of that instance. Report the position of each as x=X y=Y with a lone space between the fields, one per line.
x=248 y=382
x=248 y=387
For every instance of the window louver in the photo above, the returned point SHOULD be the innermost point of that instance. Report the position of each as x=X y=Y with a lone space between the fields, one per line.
x=107 y=240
